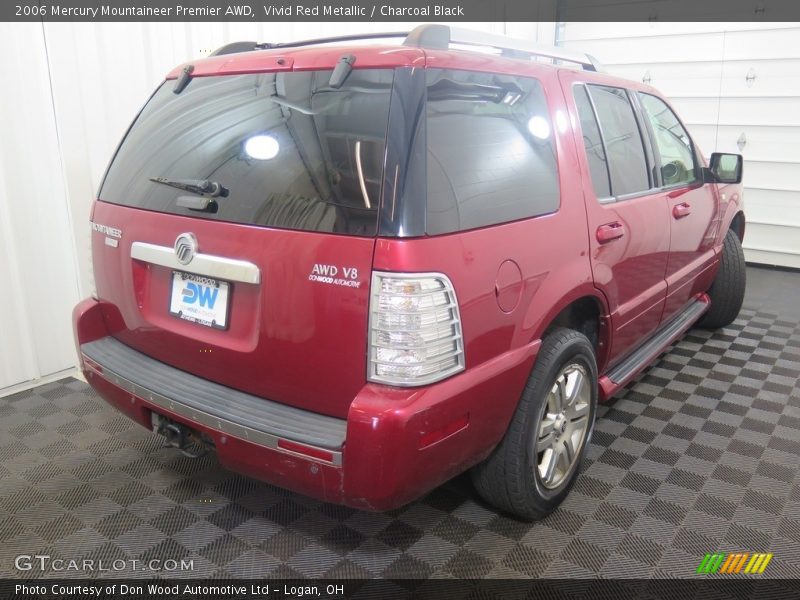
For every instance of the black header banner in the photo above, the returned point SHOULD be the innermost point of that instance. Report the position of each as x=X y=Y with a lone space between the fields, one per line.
x=399 y=10
x=278 y=10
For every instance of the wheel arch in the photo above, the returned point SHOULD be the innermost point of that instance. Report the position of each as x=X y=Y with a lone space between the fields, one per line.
x=737 y=224
x=586 y=311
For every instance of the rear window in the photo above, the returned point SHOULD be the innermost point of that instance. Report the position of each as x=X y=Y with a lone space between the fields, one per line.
x=491 y=156
x=279 y=150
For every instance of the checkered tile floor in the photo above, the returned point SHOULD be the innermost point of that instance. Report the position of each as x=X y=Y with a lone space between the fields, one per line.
x=699 y=455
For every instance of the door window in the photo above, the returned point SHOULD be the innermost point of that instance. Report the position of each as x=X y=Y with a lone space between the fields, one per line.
x=593 y=144
x=678 y=165
x=622 y=138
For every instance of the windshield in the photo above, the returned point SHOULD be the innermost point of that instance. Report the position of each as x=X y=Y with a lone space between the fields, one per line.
x=288 y=150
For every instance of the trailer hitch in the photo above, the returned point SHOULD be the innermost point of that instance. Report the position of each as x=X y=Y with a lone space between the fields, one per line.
x=178 y=436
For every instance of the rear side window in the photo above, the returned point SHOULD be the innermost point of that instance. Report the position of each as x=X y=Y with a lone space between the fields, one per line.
x=490 y=152
x=593 y=144
x=288 y=150
x=678 y=166
x=622 y=139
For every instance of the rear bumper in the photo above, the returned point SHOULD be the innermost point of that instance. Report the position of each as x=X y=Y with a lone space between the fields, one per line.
x=396 y=444
x=204 y=402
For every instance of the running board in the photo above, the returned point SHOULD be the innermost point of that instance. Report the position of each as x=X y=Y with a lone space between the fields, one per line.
x=621 y=374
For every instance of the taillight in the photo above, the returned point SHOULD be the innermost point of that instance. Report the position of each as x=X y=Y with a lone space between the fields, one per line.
x=92 y=282
x=415 y=329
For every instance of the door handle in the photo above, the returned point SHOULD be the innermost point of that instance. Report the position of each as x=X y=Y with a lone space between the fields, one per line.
x=610 y=231
x=684 y=209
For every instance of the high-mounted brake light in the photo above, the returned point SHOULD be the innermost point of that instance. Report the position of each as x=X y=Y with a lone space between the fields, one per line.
x=415 y=329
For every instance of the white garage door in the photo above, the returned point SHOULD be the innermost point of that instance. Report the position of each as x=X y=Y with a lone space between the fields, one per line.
x=736 y=85
x=37 y=258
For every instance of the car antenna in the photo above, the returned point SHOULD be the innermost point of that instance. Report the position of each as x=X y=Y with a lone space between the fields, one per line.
x=183 y=79
x=342 y=71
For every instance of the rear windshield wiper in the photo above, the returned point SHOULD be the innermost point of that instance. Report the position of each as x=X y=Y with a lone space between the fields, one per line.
x=204 y=187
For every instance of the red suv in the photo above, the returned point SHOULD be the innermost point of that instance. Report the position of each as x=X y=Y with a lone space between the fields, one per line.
x=358 y=271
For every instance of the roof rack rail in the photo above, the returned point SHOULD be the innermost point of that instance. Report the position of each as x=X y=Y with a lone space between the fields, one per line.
x=331 y=40
x=235 y=48
x=441 y=36
x=438 y=37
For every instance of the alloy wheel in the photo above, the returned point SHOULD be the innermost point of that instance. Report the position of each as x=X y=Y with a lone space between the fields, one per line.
x=565 y=422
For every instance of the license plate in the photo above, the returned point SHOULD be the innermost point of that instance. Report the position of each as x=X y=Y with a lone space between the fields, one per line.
x=199 y=299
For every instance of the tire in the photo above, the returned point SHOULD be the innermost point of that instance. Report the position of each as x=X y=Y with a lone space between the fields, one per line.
x=511 y=477
x=727 y=290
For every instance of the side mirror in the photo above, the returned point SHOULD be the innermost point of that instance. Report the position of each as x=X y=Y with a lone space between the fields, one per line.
x=724 y=168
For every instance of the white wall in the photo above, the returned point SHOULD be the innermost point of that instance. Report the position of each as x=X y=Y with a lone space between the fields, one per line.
x=71 y=90
x=38 y=265
x=703 y=68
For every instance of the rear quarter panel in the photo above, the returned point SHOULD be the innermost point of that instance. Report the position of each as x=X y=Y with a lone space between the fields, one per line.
x=551 y=252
